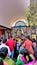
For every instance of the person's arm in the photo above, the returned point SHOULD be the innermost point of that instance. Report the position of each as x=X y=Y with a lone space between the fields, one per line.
x=32 y=57
x=9 y=52
x=23 y=45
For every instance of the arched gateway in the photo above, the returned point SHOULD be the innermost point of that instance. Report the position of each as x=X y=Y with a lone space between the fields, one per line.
x=20 y=25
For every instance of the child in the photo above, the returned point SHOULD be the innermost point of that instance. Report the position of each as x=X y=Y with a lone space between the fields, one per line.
x=20 y=58
x=4 y=55
x=28 y=57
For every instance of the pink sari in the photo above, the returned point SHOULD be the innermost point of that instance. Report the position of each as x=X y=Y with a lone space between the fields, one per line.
x=31 y=63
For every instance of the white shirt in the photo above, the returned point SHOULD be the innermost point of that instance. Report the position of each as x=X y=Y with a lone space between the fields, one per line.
x=3 y=45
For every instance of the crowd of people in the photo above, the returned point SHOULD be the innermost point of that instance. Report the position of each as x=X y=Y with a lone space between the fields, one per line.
x=19 y=51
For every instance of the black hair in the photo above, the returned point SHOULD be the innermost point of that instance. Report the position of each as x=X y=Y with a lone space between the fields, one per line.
x=26 y=53
x=3 y=52
x=28 y=37
x=1 y=61
x=33 y=40
x=4 y=41
x=10 y=36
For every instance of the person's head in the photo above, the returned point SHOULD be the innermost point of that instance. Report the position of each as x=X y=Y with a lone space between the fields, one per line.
x=22 y=35
x=33 y=40
x=26 y=52
x=28 y=37
x=3 y=52
x=10 y=36
x=27 y=55
x=4 y=41
x=21 y=51
x=19 y=39
x=1 y=61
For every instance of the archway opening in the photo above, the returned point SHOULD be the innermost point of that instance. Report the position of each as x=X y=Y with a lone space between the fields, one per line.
x=19 y=27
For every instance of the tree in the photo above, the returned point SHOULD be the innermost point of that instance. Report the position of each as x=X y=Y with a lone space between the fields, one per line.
x=31 y=15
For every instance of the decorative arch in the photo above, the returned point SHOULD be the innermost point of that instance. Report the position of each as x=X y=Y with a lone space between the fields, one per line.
x=20 y=23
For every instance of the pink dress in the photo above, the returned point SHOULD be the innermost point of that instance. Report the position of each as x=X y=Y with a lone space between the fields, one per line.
x=5 y=63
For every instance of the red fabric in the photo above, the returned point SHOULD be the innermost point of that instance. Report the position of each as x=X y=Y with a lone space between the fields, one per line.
x=11 y=43
x=28 y=45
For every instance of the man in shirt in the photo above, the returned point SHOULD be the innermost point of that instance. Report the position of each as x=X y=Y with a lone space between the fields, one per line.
x=28 y=45
x=11 y=43
x=4 y=45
